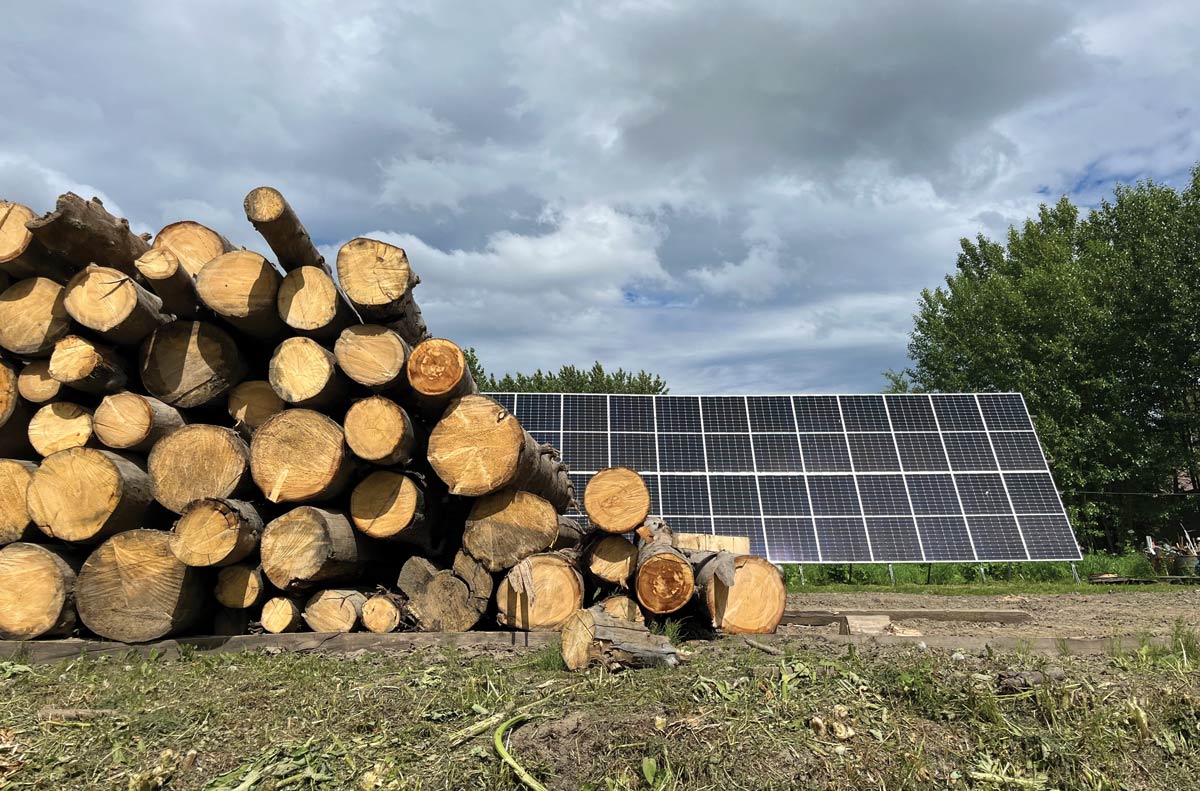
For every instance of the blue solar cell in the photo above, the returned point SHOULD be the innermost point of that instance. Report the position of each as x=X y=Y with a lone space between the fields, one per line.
x=873 y=453
x=636 y=451
x=864 y=413
x=777 y=453
x=539 y=411
x=734 y=495
x=678 y=413
x=817 y=413
x=911 y=413
x=681 y=453
x=724 y=413
x=771 y=414
x=631 y=413
x=585 y=413
x=729 y=453
x=893 y=538
x=1004 y=412
x=945 y=538
x=843 y=540
x=791 y=540
x=587 y=450
x=685 y=495
x=957 y=412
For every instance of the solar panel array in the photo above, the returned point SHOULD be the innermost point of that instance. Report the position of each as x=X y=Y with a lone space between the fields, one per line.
x=825 y=478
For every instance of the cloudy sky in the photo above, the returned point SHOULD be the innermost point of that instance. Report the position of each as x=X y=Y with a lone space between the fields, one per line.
x=742 y=197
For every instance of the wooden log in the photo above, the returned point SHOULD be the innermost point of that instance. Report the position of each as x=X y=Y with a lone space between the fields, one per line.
x=392 y=506
x=300 y=455
x=309 y=303
x=743 y=594
x=268 y=211
x=616 y=500
x=374 y=356
x=444 y=600
x=378 y=281
x=596 y=636
x=216 y=532
x=84 y=232
x=509 y=526
x=623 y=607
x=240 y=586
x=84 y=495
x=37 y=591
x=190 y=363
x=310 y=545
x=113 y=305
x=335 y=610
x=252 y=402
x=171 y=281
x=36 y=385
x=612 y=559
x=15 y=415
x=5 y=280
x=304 y=373
x=738 y=545
x=478 y=447
x=33 y=317
x=242 y=287
x=570 y=534
x=280 y=615
x=378 y=430
x=192 y=244
x=539 y=593
x=15 y=524
x=196 y=462
x=87 y=366
x=134 y=590
x=59 y=426
x=437 y=374
x=383 y=612
x=21 y=255
x=664 y=580
x=134 y=422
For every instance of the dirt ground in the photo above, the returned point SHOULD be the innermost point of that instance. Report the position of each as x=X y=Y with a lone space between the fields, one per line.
x=1126 y=613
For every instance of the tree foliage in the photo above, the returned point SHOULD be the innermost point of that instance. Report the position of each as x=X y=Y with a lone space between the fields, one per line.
x=1096 y=319
x=568 y=379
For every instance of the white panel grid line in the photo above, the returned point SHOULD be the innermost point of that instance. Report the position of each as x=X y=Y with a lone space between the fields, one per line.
x=657 y=464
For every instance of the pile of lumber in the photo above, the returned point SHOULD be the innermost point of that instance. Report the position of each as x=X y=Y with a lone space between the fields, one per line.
x=198 y=439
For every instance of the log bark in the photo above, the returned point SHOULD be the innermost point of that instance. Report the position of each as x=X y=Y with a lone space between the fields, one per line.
x=374 y=356
x=88 y=367
x=240 y=586
x=334 y=610
x=392 y=506
x=300 y=455
x=612 y=559
x=383 y=612
x=309 y=303
x=83 y=232
x=616 y=500
x=437 y=374
x=36 y=385
x=478 y=447
x=596 y=636
x=570 y=534
x=304 y=373
x=280 y=615
x=216 y=532
x=133 y=422
x=378 y=282
x=21 y=255
x=444 y=600
x=197 y=462
x=310 y=545
x=252 y=402
x=623 y=607
x=190 y=363
x=171 y=281
x=539 y=593
x=743 y=594
x=37 y=591
x=664 y=580
x=84 y=495
x=378 y=430
x=242 y=288
x=59 y=426
x=15 y=415
x=33 y=317
x=192 y=244
x=15 y=524
x=113 y=305
x=268 y=211
x=506 y=527
x=132 y=589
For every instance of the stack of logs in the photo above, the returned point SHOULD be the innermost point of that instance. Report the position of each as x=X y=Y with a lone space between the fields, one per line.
x=196 y=438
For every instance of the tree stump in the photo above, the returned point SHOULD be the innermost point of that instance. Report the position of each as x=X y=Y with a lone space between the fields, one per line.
x=33 y=317
x=133 y=422
x=299 y=455
x=190 y=363
x=198 y=462
x=216 y=532
x=37 y=591
x=83 y=495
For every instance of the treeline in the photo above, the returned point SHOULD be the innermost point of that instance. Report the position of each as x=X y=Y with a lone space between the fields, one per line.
x=568 y=379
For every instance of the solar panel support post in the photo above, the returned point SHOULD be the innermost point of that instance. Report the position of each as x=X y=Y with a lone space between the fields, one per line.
x=928 y=573
x=801 y=567
x=1074 y=572
x=892 y=575
x=982 y=575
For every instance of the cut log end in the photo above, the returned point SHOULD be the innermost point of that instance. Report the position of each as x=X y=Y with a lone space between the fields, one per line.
x=83 y=494
x=337 y=610
x=60 y=426
x=264 y=204
x=129 y=421
x=623 y=607
x=36 y=385
x=304 y=373
x=196 y=462
x=385 y=504
x=216 y=532
x=79 y=363
x=539 y=594
x=37 y=590
x=617 y=500
x=372 y=355
x=382 y=613
x=299 y=455
x=592 y=635
x=33 y=317
x=476 y=447
x=754 y=604
x=374 y=274
x=509 y=526
x=665 y=582
x=438 y=371
x=242 y=287
x=309 y=302
x=252 y=402
x=280 y=615
x=309 y=545
x=613 y=559
x=378 y=430
x=192 y=244
x=190 y=363
x=109 y=302
x=240 y=586
x=15 y=523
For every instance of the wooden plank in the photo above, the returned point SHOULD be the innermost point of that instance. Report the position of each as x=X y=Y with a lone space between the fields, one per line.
x=1058 y=646
x=738 y=545
x=864 y=624
x=825 y=617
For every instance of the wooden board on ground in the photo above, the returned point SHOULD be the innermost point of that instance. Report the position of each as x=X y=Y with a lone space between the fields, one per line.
x=826 y=617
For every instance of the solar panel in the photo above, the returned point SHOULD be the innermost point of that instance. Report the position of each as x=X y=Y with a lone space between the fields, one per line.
x=948 y=477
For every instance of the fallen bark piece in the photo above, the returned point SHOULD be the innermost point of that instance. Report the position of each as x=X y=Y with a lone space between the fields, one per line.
x=190 y=363
x=507 y=527
x=299 y=455
x=595 y=636
x=15 y=522
x=310 y=545
x=539 y=593
x=242 y=288
x=87 y=366
x=112 y=304
x=304 y=373
x=309 y=303
x=33 y=317
x=616 y=500
x=280 y=615
x=83 y=495
x=374 y=356
x=378 y=281
x=60 y=426
x=133 y=422
x=271 y=215
x=336 y=610
x=240 y=586
x=21 y=255
x=37 y=591
x=196 y=462
x=84 y=232
x=378 y=430
x=216 y=532
x=252 y=402
x=752 y=602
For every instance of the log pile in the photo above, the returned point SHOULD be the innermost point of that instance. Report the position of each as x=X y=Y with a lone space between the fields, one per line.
x=200 y=438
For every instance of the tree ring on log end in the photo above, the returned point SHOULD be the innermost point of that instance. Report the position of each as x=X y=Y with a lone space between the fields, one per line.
x=665 y=582
x=384 y=503
x=476 y=447
x=755 y=602
x=616 y=500
x=73 y=493
x=436 y=367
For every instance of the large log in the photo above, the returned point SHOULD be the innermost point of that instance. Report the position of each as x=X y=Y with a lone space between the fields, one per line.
x=252 y=402
x=268 y=211
x=612 y=559
x=616 y=500
x=300 y=455
x=478 y=447
x=21 y=255
x=37 y=591
x=59 y=426
x=743 y=594
x=15 y=415
x=196 y=462
x=309 y=303
x=242 y=287
x=309 y=545
x=596 y=636
x=171 y=281
x=438 y=373
x=664 y=580
x=87 y=366
x=15 y=524
x=134 y=422
x=33 y=317
x=383 y=612
x=240 y=586
x=539 y=593
x=394 y=507
x=378 y=281
x=216 y=532
x=36 y=385
x=132 y=589
x=84 y=495
x=334 y=610
x=192 y=244
x=113 y=305
x=445 y=600
x=623 y=607
x=304 y=373
x=374 y=356
x=279 y=615
x=509 y=526
x=378 y=430
x=189 y=363
x=84 y=232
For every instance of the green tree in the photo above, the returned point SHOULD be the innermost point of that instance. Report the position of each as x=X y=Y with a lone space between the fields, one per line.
x=568 y=379
x=1096 y=320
